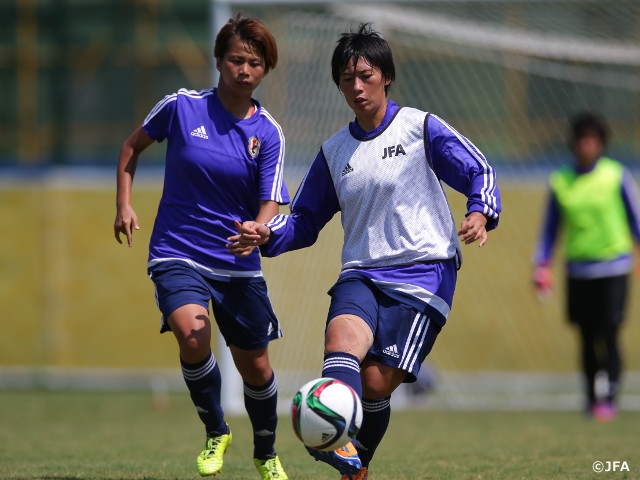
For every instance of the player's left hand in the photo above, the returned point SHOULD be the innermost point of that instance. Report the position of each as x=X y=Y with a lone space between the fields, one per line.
x=473 y=228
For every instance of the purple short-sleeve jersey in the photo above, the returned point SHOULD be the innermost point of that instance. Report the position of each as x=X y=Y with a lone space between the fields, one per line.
x=217 y=170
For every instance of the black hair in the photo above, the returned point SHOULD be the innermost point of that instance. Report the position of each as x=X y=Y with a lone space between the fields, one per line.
x=367 y=44
x=585 y=123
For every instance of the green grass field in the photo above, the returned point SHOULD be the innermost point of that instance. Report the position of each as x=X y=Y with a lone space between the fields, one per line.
x=98 y=435
x=73 y=298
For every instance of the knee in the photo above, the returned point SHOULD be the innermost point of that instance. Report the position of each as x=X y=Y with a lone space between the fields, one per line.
x=340 y=340
x=350 y=334
x=256 y=377
x=192 y=329
x=194 y=348
x=253 y=365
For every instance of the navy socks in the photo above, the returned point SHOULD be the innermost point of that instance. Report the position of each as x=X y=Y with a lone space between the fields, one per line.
x=203 y=381
x=261 y=404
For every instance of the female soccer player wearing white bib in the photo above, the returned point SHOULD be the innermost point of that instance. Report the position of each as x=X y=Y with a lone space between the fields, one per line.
x=223 y=161
x=401 y=250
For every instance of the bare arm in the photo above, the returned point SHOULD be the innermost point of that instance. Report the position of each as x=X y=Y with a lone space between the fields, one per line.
x=126 y=220
x=268 y=210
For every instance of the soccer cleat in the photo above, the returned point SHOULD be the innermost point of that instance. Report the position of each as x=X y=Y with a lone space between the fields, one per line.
x=363 y=474
x=270 y=469
x=344 y=459
x=210 y=461
x=604 y=411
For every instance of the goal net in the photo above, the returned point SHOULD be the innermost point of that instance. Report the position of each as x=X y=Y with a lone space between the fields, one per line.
x=507 y=74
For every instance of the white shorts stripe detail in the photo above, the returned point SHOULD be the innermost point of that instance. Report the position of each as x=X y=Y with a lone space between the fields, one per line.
x=420 y=343
x=412 y=348
x=407 y=345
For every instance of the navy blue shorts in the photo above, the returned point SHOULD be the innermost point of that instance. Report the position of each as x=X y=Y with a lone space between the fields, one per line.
x=402 y=335
x=241 y=309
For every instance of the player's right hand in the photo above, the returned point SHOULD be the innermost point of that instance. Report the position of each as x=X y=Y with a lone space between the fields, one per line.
x=126 y=222
x=543 y=282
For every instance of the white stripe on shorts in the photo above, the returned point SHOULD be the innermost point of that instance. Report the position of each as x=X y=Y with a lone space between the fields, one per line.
x=415 y=340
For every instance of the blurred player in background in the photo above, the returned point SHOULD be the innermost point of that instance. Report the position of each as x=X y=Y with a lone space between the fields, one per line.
x=595 y=204
x=401 y=252
x=224 y=161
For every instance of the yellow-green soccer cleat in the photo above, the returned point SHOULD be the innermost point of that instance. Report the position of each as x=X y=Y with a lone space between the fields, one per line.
x=270 y=469
x=210 y=461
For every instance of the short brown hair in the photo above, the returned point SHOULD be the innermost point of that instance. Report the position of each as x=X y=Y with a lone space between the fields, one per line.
x=251 y=31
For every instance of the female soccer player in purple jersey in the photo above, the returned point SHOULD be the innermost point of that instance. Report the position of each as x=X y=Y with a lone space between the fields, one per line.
x=401 y=249
x=223 y=162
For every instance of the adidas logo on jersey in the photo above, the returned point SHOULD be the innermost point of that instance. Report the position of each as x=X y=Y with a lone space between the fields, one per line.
x=200 y=132
x=392 y=351
x=347 y=169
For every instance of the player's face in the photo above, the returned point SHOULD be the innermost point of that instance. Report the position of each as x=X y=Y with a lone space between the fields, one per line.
x=363 y=88
x=588 y=149
x=241 y=69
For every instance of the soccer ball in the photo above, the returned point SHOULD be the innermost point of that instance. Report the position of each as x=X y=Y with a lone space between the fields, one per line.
x=326 y=414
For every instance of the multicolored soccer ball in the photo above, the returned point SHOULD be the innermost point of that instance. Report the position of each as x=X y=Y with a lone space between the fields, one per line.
x=326 y=414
